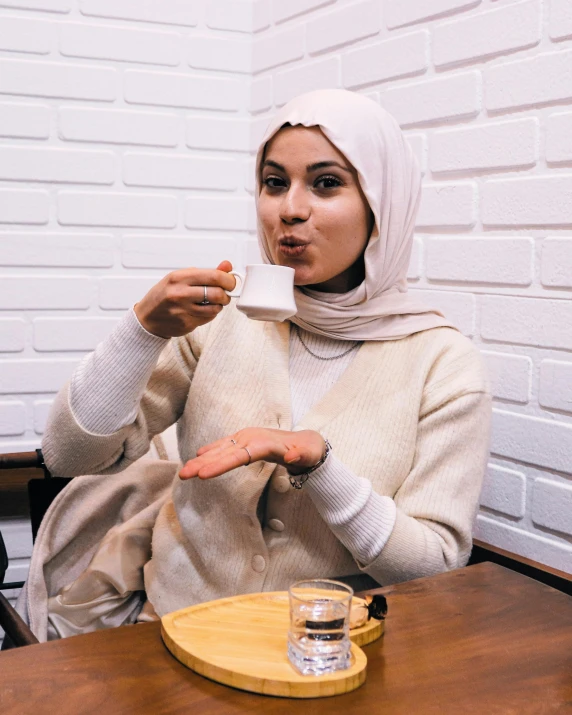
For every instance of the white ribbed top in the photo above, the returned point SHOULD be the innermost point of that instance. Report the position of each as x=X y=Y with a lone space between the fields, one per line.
x=108 y=385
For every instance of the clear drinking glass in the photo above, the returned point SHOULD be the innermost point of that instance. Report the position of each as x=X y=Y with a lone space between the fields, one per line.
x=319 y=635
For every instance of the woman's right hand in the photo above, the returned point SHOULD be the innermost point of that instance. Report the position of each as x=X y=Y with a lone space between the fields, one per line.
x=173 y=306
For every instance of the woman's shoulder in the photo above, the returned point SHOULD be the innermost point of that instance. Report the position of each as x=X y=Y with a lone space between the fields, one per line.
x=455 y=365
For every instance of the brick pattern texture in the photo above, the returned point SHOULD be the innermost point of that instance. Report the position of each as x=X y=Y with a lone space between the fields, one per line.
x=127 y=132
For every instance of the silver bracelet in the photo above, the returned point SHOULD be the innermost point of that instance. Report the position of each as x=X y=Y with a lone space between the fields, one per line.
x=298 y=480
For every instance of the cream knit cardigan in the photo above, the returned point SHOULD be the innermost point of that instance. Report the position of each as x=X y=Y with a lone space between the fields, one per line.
x=410 y=415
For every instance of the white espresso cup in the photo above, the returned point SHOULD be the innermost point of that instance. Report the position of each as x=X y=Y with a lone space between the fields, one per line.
x=266 y=292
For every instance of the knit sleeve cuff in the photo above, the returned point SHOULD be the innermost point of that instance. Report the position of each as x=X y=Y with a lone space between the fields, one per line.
x=359 y=517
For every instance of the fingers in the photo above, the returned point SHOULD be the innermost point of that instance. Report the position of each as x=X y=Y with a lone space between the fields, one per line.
x=219 y=444
x=302 y=449
x=189 y=299
x=215 y=462
x=204 y=276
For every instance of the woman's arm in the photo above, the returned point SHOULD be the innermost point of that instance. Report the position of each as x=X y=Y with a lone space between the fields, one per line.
x=107 y=386
x=117 y=400
x=359 y=517
x=132 y=387
x=427 y=528
x=438 y=501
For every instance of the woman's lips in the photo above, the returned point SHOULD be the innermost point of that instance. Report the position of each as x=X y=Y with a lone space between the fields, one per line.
x=292 y=247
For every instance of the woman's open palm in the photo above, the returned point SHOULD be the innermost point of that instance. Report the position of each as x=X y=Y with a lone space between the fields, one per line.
x=296 y=450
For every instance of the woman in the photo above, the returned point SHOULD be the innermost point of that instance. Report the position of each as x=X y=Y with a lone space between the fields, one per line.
x=399 y=395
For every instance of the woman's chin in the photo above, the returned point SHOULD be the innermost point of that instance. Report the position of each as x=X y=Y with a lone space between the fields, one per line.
x=304 y=278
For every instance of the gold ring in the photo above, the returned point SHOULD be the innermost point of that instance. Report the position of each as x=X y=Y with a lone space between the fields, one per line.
x=249 y=456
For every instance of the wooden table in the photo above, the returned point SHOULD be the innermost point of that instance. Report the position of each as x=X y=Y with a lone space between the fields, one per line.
x=482 y=639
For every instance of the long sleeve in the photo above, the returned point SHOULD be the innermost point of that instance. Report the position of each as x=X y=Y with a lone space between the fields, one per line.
x=107 y=386
x=359 y=517
x=93 y=428
x=437 y=502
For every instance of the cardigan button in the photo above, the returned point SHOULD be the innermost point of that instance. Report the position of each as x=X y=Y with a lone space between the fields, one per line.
x=276 y=525
x=281 y=484
x=258 y=563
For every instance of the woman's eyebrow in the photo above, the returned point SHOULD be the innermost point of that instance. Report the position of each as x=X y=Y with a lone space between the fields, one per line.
x=325 y=165
x=275 y=164
x=310 y=167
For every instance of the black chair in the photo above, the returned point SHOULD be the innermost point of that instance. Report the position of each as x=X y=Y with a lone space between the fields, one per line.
x=41 y=493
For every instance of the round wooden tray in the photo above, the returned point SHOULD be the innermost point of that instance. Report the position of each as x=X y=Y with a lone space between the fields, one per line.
x=241 y=641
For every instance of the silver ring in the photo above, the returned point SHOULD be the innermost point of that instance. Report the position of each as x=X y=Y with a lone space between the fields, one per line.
x=205 y=300
x=233 y=440
x=249 y=456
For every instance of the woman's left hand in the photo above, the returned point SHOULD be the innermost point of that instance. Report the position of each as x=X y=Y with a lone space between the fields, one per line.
x=298 y=451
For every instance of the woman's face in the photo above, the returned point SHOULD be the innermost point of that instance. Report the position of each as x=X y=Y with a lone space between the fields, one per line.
x=312 y=209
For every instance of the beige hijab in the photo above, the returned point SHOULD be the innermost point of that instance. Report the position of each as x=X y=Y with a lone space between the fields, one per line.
x=370 y=138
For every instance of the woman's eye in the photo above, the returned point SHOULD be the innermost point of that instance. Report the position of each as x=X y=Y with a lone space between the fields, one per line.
x=328 y=182
x=274 y=182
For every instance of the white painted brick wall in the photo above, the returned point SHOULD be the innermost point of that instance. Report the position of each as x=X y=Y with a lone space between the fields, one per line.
x=19 y=34
x=559 y=137
x=454 y=97
x=126 y=137
x=539 y=322
x=493 y=145
x=57 y=80
x=555 y=388
x=282 y=11
x=238 y=15
x=560 y=25
x=25 y=206
x=324 y=74
x=64 y=334
x=504 y=490
x=398 y=57
x=119 y=43
x=82 y=208
x=12 y=335
x=220 y=53
x=458 y=307
x=350 y=23
x=12 y=418
x=19 y=248
x=29 y=121
x=476 y=259
x=533 y=81
x=171 y=12
x=529 y=201
x=537 y=440
x=510 y=375
x=406 y=12
x=155 y=251
x=448 y=204
x=552 y=505
x=183 y=90
x=556 y=267
x=495 y=32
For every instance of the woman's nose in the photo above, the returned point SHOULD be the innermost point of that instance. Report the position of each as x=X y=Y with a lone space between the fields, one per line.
x=295 y=206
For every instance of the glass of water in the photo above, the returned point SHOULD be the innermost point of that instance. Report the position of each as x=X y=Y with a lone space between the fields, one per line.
x=318 y=639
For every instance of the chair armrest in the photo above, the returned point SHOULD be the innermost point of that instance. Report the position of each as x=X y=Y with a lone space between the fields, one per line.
x=13 y=625
x=20 y=460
